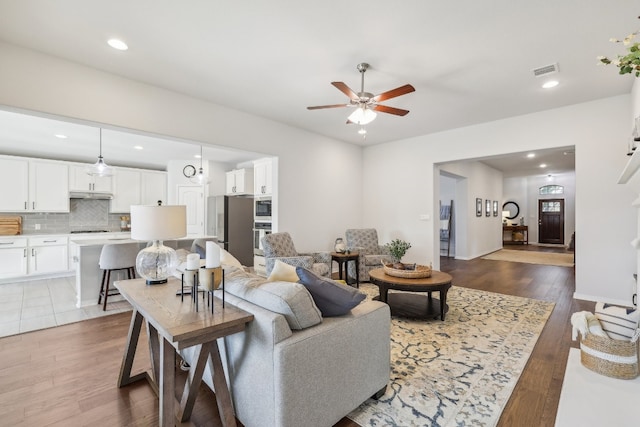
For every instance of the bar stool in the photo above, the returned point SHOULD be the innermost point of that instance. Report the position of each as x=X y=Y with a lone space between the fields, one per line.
x=116 y=257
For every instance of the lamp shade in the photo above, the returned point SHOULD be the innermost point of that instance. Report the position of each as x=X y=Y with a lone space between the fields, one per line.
x=158 y=222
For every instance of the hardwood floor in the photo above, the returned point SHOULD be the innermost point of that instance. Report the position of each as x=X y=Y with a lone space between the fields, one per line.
x=66 y=376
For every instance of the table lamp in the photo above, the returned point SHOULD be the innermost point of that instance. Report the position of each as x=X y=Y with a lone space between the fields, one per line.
x=157 y=262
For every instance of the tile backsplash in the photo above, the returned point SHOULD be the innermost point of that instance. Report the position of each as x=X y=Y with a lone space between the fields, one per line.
x=84 y=214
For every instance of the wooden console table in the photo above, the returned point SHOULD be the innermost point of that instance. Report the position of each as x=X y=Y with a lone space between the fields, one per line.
x=173 y=325
x=515 y=231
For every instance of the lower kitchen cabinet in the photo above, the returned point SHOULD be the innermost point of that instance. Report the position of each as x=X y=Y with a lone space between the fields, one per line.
x=13 y=257
x=48 y=254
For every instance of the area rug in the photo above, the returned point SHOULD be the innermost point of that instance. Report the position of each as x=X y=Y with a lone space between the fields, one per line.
x=532 y=257
x=591 y=399
x=459 y=372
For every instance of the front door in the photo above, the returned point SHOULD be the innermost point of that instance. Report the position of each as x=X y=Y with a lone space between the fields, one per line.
x=551 y=221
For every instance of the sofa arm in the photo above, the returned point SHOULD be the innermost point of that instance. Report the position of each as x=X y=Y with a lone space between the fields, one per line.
x=312 y=366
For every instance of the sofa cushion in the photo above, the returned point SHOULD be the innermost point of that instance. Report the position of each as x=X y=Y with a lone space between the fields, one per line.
x=331 y=297
x=283 y=272
x=292 y=300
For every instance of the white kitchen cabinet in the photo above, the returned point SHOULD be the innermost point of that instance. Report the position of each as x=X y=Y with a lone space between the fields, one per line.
x=127 y=184
x=14 y=184
x=13 y=257
x=48 y=186
x=154 y=188
x=263 y=178
x=80 y=180
x=240 y=181
x=33 y=185
x=48 y=254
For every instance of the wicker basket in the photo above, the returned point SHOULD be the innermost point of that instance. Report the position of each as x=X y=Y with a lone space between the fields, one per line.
x=613 y=358
x=420 y=272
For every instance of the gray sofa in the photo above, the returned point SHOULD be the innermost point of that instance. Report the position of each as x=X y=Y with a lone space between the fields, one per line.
x=284 y=372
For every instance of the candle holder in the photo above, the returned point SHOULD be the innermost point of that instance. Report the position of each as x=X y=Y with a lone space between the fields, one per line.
x=210 y=280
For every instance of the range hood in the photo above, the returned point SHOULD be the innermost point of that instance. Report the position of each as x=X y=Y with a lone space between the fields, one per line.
x=90 y=195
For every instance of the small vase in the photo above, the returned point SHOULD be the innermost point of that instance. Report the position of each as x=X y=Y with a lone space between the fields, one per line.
x=339 y=245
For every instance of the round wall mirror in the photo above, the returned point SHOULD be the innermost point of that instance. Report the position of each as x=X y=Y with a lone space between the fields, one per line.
x=513 y=209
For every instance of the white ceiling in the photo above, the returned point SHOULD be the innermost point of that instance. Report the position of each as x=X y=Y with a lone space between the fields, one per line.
x=470 y=61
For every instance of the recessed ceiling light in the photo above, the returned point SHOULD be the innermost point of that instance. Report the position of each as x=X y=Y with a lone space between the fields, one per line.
x=61 y=136
x=531 y=155
x=543 y=165
x=549 y=84
x=117 y=44
x=138 y=147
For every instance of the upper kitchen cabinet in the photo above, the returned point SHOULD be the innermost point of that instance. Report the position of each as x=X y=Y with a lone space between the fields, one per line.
x=240 y=181
x=154 y=187
x=137 y=187
x=263 y=177
x=33 y=185
x=127 y=188
x=80 y=180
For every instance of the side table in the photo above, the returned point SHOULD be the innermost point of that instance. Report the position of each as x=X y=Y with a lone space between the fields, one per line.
x=344 y=258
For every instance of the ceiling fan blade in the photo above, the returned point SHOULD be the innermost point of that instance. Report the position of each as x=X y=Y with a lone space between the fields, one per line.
x=346 y=90
x=390 y=110
x=318 y=107
x=402 y=90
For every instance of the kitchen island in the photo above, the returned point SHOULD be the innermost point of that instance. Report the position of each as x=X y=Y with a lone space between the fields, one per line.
x=88 y=272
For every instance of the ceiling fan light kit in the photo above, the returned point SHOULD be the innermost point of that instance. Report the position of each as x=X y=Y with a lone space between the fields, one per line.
x=367 y=103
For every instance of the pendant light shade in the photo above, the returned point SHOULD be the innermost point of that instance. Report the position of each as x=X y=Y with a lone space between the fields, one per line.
x=100 y=168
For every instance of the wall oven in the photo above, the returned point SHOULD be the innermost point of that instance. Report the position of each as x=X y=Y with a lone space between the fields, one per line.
x=260 y=229
x=262 y=209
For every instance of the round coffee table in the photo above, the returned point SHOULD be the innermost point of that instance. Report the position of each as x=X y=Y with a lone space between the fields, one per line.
x=412 y=305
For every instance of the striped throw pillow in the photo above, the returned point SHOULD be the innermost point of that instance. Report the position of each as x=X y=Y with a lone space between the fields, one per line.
x=620 y=323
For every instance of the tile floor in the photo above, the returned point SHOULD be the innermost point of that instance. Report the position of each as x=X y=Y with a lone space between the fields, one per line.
x=45 y=303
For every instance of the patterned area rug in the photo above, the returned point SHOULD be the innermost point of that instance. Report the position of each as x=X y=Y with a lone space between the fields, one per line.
x=459 y=372
x=532 y=257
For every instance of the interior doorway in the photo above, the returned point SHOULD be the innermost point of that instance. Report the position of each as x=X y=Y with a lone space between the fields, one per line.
x=551 y=221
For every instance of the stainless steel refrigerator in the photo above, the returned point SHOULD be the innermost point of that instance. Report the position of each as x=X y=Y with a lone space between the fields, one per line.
x=230 y=218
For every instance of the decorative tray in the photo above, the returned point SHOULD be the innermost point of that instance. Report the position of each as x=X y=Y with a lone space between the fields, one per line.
x=410 y=271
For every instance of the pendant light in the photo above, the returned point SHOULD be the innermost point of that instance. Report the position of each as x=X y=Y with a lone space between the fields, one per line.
x=100 y=168
x=201 y=176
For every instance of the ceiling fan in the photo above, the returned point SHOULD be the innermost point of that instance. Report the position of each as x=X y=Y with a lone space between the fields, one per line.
x=366 y=102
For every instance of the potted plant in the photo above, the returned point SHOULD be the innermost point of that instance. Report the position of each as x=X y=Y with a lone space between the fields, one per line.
x=397 y=249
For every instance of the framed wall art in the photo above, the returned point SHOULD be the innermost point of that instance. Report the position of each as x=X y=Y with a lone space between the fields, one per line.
x=495 y=208
x=487 y=207
x=478 y=207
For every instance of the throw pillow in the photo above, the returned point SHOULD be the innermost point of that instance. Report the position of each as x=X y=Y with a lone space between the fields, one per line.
x=227 y=259
x=331 y=297
x=620 y=323
x=283 y=272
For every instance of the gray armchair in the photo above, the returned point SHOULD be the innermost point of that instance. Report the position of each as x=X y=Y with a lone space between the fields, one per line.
x=279 y=246
x=371 y=254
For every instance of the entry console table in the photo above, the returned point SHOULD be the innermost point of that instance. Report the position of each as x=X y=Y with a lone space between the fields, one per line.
x=174 y=325
x=519 y=234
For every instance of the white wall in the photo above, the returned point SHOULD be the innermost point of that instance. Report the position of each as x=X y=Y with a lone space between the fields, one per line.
x=568 y=181
x=314 y=204
x=399 y=185
x=482 y=234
